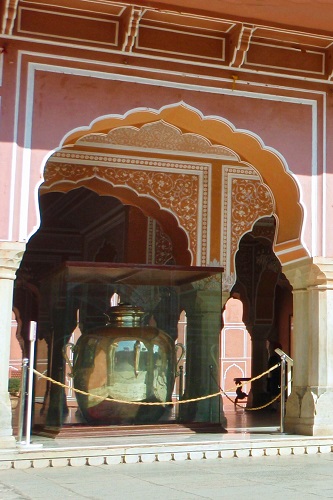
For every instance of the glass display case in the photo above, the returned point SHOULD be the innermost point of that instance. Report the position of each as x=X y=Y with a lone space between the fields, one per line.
x=119 y=337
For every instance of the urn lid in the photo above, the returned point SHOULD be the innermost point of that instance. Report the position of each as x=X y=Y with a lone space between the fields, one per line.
x=125 y=315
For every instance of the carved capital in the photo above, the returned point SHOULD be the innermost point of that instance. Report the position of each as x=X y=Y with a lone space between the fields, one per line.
x=11 y=254
x=311 y=272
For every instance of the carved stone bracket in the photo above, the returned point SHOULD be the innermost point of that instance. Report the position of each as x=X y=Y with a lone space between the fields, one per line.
x=241 y=45
x=10 y=9
x=132 y=28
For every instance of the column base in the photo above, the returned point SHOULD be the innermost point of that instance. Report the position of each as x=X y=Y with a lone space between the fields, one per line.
x=7 y=440
x=310 y=414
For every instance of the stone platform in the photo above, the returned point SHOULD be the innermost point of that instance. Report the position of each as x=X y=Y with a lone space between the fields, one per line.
x=249 y=435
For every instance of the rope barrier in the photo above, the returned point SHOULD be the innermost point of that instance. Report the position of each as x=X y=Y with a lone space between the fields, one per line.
x=179 y=402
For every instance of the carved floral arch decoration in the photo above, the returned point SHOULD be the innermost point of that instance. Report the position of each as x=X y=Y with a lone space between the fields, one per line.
x=237 y=144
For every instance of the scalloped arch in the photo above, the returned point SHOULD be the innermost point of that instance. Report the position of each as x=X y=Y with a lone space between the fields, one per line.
x=147 y=205
x=248 y=148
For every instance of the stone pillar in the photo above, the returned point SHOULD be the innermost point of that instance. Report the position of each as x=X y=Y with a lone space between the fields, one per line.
x=11 y=254
x=310 y=405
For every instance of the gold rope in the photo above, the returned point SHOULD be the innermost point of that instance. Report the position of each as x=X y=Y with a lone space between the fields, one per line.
x=143 y=403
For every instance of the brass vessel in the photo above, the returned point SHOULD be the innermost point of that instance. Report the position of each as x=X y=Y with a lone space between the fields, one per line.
x=124 y=362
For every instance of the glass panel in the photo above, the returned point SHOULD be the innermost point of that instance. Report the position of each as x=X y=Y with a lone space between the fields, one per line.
x=127 y=353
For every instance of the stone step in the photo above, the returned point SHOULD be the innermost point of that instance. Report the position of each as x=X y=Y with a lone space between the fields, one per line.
x=43 y=452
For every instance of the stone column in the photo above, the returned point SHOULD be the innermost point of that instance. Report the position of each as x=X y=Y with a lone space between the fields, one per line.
x=310 y=405
x=11 y=254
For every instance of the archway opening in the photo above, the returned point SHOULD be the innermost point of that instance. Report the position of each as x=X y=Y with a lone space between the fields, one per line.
x=266 y=295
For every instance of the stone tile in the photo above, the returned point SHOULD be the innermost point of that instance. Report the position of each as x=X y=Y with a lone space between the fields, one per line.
x=113 y=460
x=312 y=450
x=242 y=453
x=196 y=455
x=131 y=459
x=59 y=462
x=181 y=455
x=22 y=464
x=270 y=452
x=78 y=461
x=41 y=463
x=96 y=461
x=298 y=450
x=325 y=448
x=284 y=451
x=6 y=464
x=164 y=457
x=257 y=452
x=211 y=454
x=148 y=458
x=228 y=453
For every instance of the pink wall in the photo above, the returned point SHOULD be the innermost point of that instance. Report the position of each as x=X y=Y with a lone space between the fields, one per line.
x=49 y=104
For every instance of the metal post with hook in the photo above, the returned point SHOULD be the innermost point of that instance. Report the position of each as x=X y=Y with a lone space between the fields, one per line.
x=23 y=393
x=27 y=392
x=286 y=364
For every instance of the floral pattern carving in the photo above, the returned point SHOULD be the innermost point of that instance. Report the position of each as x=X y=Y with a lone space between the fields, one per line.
x=157 y=135
x=177 y=187
x=159 y=244
x=250 y=200
x=246 y=199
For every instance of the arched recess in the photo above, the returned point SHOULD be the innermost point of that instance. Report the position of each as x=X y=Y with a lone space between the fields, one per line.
x=147 y=205
x=249 y=149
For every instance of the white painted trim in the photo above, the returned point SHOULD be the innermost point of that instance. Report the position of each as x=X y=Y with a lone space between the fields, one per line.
x=324 y=204
x=314 y=182
x=14 y=150
x=141 y=160
x=2 y=60
x=209 y=216
x=290 y=250
x=26 y=160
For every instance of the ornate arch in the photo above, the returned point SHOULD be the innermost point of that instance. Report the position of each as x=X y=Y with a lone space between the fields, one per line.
x=188 y=131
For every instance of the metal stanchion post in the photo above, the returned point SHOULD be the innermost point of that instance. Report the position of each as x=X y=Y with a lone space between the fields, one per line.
x=23 y=391
x=210 y=392
x=284 y=360
x=180 y=392
x=283 y=392
x=181 y=381
x=32 y=338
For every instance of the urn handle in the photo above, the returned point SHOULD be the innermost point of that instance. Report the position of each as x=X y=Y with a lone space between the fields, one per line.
x=182 y=356
x=68 y=361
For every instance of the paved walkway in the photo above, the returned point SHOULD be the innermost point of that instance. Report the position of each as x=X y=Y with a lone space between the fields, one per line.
x=280 y=477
